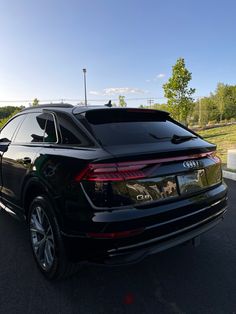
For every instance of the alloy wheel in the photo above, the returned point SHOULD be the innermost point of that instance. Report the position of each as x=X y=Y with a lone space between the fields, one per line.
x=42 y=238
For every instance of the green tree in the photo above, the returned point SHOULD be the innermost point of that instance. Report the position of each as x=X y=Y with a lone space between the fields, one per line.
x=6 y=111
x=220 y=97
x=4 y=120
x=206 y=110
x=122 y=102
x=163 y=107
x=35 y=102
x=180 y=102
x=230 y=103
x=225 y=98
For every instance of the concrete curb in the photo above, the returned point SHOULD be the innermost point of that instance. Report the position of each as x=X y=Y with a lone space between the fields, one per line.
x=229 y=175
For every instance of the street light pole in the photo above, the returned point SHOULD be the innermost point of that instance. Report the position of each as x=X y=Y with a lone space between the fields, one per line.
x=85 y=88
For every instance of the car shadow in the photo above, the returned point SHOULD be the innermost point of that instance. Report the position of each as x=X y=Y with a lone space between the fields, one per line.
x=180 y=280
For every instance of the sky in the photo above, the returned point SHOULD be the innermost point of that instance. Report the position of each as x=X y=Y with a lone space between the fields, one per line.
x=127 y=46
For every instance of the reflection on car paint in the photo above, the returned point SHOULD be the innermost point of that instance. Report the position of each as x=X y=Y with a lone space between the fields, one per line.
x=155 y=189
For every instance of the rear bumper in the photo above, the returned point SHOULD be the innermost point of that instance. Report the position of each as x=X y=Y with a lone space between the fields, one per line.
x=196 y=215
x=126 y=255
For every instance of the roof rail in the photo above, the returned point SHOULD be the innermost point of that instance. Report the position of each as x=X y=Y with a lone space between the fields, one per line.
x=60 y=105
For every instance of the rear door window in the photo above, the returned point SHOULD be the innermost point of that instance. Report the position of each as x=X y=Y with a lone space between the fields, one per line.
x=37 y=128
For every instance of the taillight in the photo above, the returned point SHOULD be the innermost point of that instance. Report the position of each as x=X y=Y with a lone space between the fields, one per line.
x=214 y=157
x=111 y=172
x=214 y=171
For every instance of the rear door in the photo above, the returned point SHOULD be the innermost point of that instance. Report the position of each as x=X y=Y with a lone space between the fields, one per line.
x=6 y=135
x=18 y=159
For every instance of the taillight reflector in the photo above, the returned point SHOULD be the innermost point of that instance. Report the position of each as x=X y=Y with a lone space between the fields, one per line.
x=115 y=235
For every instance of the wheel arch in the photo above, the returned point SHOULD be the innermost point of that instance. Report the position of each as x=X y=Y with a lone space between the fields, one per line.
x=34 y=187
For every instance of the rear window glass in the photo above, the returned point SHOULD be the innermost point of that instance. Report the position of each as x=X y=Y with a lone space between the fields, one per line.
x=121 y=127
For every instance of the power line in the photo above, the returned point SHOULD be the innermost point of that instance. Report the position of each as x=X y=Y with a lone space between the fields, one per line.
x=150 y=99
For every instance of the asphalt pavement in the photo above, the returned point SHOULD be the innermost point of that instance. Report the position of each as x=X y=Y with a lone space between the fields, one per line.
x=181 y=280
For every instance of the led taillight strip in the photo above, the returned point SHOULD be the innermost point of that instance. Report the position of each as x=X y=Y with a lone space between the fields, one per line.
x=167 y=159
x=110 y=172
x=129 y=169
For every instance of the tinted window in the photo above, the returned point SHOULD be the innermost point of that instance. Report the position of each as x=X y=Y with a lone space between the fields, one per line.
x=50 y=135
x=8 y=131
x=121 y=127
x=37 y=127
x=32 y=129
x=70 y=132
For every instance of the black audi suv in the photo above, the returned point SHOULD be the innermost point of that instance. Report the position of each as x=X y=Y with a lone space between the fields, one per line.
x=107 y=185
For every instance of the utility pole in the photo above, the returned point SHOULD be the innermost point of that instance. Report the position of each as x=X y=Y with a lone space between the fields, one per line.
x=150 y=102
x=85 y=88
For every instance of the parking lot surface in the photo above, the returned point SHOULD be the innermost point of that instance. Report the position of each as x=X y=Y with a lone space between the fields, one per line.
x=181 y=280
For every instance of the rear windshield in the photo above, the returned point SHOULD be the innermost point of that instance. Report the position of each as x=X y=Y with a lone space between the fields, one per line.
x=126 y=127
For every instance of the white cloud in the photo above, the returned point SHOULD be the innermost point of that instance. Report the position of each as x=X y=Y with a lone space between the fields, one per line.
x=122 y=90
x=157 y=77
x=161 y=75
x=94 y=92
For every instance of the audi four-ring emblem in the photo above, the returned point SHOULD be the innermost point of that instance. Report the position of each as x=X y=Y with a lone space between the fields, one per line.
x=191 y=164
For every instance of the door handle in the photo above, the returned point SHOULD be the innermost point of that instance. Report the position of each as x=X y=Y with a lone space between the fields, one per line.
x=26 y=160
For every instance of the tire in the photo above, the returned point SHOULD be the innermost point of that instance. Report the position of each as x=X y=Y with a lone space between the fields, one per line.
x=46 y=242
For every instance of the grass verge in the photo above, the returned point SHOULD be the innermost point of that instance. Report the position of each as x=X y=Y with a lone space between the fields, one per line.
x=224 y=137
